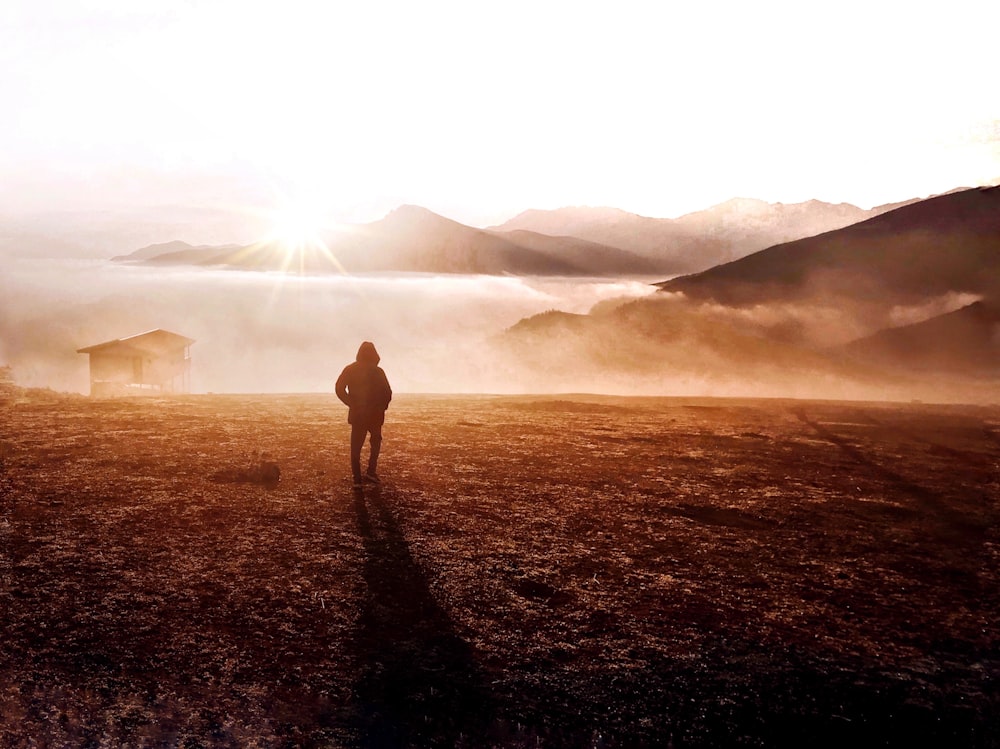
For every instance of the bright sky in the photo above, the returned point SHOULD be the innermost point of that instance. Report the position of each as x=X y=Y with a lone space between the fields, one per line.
x=478 y=110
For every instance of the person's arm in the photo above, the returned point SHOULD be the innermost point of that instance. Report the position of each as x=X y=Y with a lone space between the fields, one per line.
x=387 y=390
x=341 y=388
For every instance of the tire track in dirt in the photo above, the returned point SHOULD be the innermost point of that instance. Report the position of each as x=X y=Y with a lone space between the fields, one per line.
x=419 y=683
x=953 y=526
x=968 y=457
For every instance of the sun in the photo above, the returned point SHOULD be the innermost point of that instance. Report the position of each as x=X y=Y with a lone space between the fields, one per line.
x=297 y=238
x=296 y=228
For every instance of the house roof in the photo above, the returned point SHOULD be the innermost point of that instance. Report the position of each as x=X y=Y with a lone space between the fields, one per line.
x=151 y=342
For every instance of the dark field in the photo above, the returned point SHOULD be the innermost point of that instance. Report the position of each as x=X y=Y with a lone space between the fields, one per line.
x=572 y=571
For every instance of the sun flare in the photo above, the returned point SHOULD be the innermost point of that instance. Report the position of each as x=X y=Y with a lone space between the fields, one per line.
x=297 y=238
x=296 y=228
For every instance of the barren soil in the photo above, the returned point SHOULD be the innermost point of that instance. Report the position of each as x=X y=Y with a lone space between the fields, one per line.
x=572 y=571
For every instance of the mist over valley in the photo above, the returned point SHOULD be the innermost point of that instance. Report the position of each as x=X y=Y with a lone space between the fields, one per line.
x=897 y=306
x=900 y=306
x=274 y=332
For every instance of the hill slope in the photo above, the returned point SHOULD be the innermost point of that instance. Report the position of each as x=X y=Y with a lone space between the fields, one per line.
x=768 y=324
x=175 y=249
x=950 y=243
x=966 y=340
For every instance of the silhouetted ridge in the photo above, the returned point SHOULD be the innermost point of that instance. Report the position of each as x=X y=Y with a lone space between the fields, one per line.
x=175 y=249
x=411 y=238
x=966 y=340
x=698 y=240
x=944 y=244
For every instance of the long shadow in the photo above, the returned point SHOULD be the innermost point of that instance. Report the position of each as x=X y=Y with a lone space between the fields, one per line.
x=420 y=685
x=955 y=526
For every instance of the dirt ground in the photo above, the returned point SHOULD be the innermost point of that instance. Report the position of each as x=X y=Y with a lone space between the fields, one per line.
x=535 y=571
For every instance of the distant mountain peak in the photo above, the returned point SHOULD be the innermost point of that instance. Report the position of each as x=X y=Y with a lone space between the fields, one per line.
x=408 y=210
x=575 y=214
x=407 y=216
x=754 y=206
x=944 y=244
x=743 y=203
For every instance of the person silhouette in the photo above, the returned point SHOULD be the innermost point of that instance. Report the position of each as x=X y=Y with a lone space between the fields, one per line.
x=364 y=389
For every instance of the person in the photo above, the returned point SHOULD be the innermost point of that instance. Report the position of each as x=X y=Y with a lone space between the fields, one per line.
x=364 y=389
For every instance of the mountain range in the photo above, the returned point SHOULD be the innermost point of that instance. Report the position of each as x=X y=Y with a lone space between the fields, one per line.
x=699 y=240
x=948 y=243
x=889 y=295
x=97 y=234
x=816 y=317
x=415 y=239
x=567 y=241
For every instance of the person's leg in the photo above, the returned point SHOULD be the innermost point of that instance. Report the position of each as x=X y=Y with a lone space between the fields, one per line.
x=358 y=434
x=376 y=447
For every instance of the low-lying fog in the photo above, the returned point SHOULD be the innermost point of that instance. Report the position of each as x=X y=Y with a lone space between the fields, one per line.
x=259 y=332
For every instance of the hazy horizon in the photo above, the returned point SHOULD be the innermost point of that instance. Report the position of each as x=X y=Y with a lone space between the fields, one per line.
x=216 y=122
x=269 y=332
x=339 y=114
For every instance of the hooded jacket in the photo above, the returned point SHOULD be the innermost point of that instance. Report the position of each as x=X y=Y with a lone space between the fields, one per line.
x=364 y=388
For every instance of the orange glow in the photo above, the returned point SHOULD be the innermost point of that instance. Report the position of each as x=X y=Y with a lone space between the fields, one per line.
x=296 y=229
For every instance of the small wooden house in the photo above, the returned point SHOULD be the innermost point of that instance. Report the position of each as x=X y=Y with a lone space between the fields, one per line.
x=157 y=361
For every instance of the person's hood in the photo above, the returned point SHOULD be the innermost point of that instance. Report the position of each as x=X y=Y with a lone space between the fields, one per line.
x=367 y=354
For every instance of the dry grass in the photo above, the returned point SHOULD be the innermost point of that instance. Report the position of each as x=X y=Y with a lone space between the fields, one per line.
x=575 y=571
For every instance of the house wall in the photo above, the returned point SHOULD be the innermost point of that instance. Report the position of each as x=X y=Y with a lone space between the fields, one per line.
x=117 y=373
x=111 y=368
